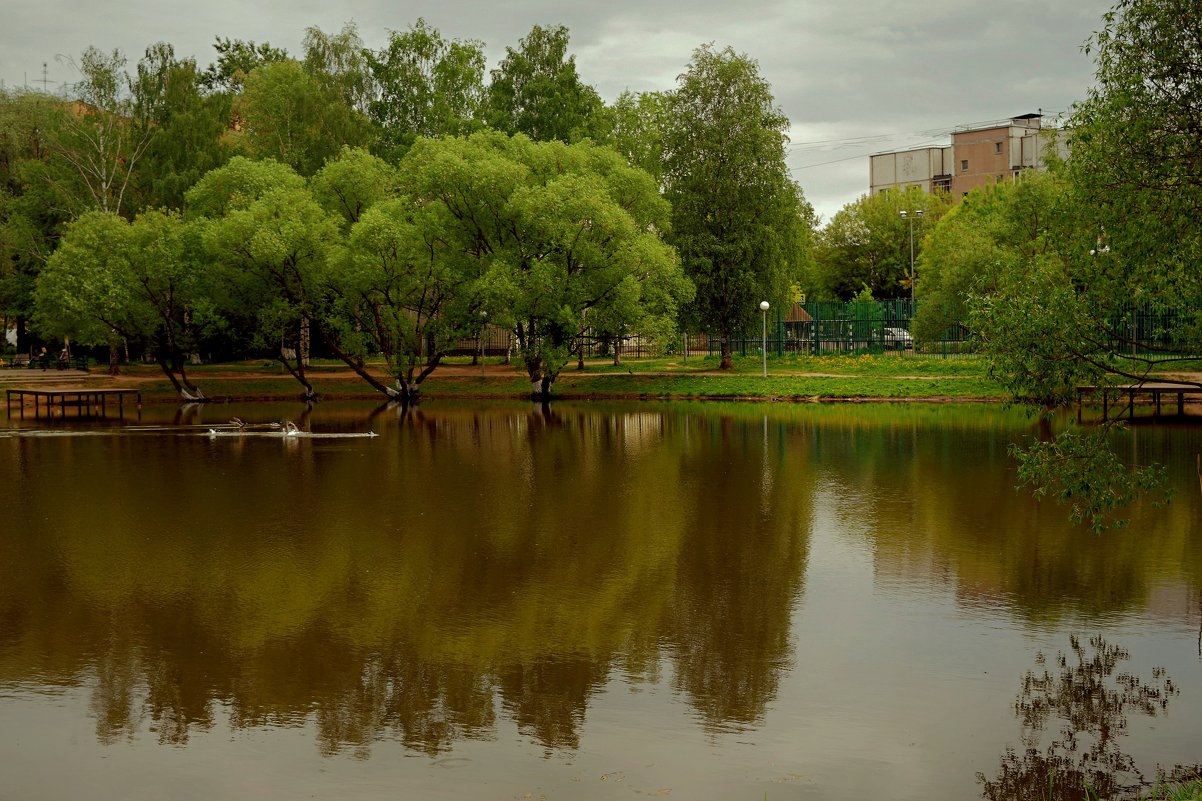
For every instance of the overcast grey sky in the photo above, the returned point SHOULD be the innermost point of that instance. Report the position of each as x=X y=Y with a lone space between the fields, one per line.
x=855 y=77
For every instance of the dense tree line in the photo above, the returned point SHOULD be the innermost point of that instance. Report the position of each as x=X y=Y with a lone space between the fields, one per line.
x=389 y=201
x=1050 y=270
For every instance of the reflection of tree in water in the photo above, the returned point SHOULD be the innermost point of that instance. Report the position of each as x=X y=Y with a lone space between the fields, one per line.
x=426 y=707
x=1092 y=703
x=514 y=586
x=115 y=699
x=548 y=699
x=740 y=573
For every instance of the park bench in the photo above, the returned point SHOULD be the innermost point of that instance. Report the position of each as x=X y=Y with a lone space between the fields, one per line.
x=14 y=362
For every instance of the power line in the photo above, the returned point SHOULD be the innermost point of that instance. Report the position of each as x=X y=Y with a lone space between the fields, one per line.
x=850 y=158
x=824 y=163
x=852 y=141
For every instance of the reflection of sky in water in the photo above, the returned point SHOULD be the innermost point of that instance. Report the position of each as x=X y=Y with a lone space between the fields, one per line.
x=713 y=600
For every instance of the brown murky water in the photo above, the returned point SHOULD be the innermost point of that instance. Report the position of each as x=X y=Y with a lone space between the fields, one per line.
x=698 y=601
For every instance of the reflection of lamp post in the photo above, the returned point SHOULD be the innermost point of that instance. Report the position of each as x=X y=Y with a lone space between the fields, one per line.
x=764 y=309
x=907 y=216
x=480 y=340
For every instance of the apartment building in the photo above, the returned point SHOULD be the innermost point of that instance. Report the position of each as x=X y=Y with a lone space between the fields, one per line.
x=977 y=155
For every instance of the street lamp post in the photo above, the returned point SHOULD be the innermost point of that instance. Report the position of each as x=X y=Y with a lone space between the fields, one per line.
x=907 y=216
x=764 y=343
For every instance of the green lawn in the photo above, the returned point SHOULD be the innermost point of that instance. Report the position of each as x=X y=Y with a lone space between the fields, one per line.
x=790 y=378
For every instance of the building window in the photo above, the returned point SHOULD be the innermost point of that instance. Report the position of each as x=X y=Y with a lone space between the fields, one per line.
x=963 y=165
x=997 y=147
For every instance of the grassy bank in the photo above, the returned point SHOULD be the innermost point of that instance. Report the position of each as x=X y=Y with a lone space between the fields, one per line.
x=1187 y=791
x=884 y=377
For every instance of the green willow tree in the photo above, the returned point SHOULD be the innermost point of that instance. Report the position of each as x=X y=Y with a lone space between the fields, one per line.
x=410 y=288
x=554 y=232
x=269 y=240
x=275 y=254
x=112 y=280
x=739 y=221
x=352 y=322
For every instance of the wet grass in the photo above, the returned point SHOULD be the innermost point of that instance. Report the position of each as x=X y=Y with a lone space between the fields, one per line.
x=777 y=386
x=1176 y=791
x=806 y=378
x=881 y=364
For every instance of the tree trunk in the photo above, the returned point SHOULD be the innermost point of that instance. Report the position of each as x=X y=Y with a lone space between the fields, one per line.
x=186 y=392
x=22 y=335
x=114 y=360
x=540 y=389
x=194 y=392
x=727 y=362
x=304 y=343
x=410 y=392
x=356 y=364
x=540 y=379
x=298 y=373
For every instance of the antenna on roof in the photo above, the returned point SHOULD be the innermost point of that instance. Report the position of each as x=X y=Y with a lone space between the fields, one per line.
x=45 y=78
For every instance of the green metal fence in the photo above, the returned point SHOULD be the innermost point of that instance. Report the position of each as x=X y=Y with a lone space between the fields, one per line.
x=1154 y=331
x=853 y=327
x=849 y=327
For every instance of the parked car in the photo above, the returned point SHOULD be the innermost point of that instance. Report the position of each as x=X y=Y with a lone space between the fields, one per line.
x=898 y=339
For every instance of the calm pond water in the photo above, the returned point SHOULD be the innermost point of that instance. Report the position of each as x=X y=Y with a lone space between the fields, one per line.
x=695 y=601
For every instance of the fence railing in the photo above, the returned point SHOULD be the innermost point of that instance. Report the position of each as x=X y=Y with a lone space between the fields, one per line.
x=849 y=327
x=1154 y=332
x=853 y=327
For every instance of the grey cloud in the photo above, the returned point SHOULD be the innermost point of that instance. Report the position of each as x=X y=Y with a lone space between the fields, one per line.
x=900 y=70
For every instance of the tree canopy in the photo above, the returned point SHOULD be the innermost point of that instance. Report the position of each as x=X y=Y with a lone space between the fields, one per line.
x=536 y=91
x=553 y=232
x=112 y=280
x=425 y=85
x=867 y=244
x=294 y=117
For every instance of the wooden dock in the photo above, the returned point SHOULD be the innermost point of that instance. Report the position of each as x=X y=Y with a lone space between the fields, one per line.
x=86 y=402
x=1155 y=392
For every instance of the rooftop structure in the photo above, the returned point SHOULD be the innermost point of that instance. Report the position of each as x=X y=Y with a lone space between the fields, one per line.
x=977 y=155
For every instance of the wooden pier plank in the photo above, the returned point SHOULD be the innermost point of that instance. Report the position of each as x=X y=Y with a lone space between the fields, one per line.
x=81 y=399
x=1151 y=390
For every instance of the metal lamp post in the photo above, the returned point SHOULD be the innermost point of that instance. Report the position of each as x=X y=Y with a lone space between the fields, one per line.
x=907 y=216
x=764 y=349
